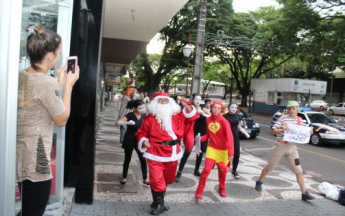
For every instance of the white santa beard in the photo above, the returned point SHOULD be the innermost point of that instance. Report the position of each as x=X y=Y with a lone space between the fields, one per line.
x=164 y=112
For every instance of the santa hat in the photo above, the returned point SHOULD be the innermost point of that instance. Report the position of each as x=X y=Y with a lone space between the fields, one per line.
x=160 y=95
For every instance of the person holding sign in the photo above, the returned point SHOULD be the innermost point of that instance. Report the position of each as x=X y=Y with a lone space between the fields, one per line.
x=286 y=149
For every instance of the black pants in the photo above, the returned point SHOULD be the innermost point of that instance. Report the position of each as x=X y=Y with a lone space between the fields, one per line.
x=236 y=158
x=198 y=158
x=35 y=196
x=128 y=157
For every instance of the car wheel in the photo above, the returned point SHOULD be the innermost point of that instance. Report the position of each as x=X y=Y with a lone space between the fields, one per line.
x=315 y=139
x=331 y=112
x=321 y=107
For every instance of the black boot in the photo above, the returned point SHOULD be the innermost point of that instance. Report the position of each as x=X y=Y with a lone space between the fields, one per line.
x=154 y=205
x=166 y=208
x=157 y=205
x=197 y=164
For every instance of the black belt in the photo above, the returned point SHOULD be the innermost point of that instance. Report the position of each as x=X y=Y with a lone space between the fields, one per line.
x=170 y=142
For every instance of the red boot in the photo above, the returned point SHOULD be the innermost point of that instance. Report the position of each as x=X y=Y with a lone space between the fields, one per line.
x=198 y=195
x=222 y=192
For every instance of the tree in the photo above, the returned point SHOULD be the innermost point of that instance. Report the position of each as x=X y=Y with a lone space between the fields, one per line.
x=175 y=36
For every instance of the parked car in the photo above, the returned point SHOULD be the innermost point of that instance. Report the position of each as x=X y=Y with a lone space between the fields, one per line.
x=253 y=128
x=319 y=104
x=325 y=128
x=338 y=109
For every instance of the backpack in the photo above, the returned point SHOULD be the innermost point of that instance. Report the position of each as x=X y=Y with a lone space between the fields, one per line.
x=341 y=199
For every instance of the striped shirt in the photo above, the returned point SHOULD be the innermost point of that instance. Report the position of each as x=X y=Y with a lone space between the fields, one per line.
x=285 y=119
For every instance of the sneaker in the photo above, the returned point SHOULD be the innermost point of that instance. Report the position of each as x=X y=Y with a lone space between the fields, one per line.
x=307 y=196
x=235 y=174
x=258 y=185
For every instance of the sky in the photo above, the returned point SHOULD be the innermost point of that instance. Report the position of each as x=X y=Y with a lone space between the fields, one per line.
x=239 y=6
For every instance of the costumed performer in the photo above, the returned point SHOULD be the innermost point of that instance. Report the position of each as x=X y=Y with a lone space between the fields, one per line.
x=234 y=119
x=159 y=138
x=220 y=149
x=199 y=127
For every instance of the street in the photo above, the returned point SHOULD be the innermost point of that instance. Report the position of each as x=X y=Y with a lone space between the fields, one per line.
x=325 y=163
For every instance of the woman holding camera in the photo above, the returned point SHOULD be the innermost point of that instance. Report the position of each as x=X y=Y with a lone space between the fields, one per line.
x=40 y=104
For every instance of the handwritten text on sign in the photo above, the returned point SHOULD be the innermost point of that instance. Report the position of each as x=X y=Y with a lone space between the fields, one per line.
x=297 y=134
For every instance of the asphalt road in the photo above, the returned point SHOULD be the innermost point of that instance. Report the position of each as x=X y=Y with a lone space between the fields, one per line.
x=326 y=163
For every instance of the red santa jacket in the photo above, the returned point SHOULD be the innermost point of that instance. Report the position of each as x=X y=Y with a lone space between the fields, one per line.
x=220 y=134
x=150 y=130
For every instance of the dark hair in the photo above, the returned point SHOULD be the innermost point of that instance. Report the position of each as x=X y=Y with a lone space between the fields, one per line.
x=40 y=43
x=130 y=104
x=137 y=103
x=194 y=95
x=207 y=100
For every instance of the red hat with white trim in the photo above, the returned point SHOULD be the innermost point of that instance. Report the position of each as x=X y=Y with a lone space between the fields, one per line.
x=160 y=95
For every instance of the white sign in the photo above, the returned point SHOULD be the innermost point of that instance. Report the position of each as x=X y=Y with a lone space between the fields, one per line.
x=308 y=86
x=198 y=144
x=297 y=134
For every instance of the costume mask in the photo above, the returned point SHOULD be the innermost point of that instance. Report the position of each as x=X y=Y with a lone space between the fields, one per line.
x=233 y=108
x=141 y=109
x=197 y=100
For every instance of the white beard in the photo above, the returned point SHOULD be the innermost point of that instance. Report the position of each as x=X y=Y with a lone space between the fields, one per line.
x=164 y=112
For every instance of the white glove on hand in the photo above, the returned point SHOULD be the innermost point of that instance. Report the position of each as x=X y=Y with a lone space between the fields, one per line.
x=131 y=122
x=245 y=133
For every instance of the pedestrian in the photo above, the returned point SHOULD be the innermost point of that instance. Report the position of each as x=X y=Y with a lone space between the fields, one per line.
x=208 y=105
x=40 y=104
x=234 y=119
x=199 y=127
x=133 y=120
x=146 y=98
x=159 y=138
x=128 y=94
x=286 y=149
x=220 y=149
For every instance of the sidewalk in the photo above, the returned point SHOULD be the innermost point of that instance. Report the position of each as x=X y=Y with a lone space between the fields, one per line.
x=280 y=195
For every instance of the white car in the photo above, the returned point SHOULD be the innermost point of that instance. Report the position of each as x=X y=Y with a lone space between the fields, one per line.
x=338 y=109
x=319 y=104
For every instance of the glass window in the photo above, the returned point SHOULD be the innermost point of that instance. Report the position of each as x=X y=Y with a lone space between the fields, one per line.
x=45 y=13
x=270 y=98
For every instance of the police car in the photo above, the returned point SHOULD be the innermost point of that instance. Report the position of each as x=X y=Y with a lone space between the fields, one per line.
x=326 y=129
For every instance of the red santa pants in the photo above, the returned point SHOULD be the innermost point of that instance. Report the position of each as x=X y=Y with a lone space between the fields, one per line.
x=161 y=174
x=209 y=164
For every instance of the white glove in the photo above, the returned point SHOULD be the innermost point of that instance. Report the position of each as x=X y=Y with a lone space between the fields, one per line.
x=201 y=112
x=131 y=122
x=245 y=133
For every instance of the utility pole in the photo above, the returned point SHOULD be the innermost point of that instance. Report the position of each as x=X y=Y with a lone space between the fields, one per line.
x=199 y=48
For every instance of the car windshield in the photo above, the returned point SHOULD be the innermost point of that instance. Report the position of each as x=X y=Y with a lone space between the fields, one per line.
x=320 y=118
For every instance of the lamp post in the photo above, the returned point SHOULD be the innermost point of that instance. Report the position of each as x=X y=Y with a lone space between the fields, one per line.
x=333 y=69
x=187 y=50
x=230 y=101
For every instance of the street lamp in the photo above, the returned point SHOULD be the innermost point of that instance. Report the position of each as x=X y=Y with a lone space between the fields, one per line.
x=187 y=50
x=231 y=78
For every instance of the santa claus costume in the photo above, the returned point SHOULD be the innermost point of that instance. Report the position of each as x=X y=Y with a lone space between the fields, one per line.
x=159 y=139
x=220 y=149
